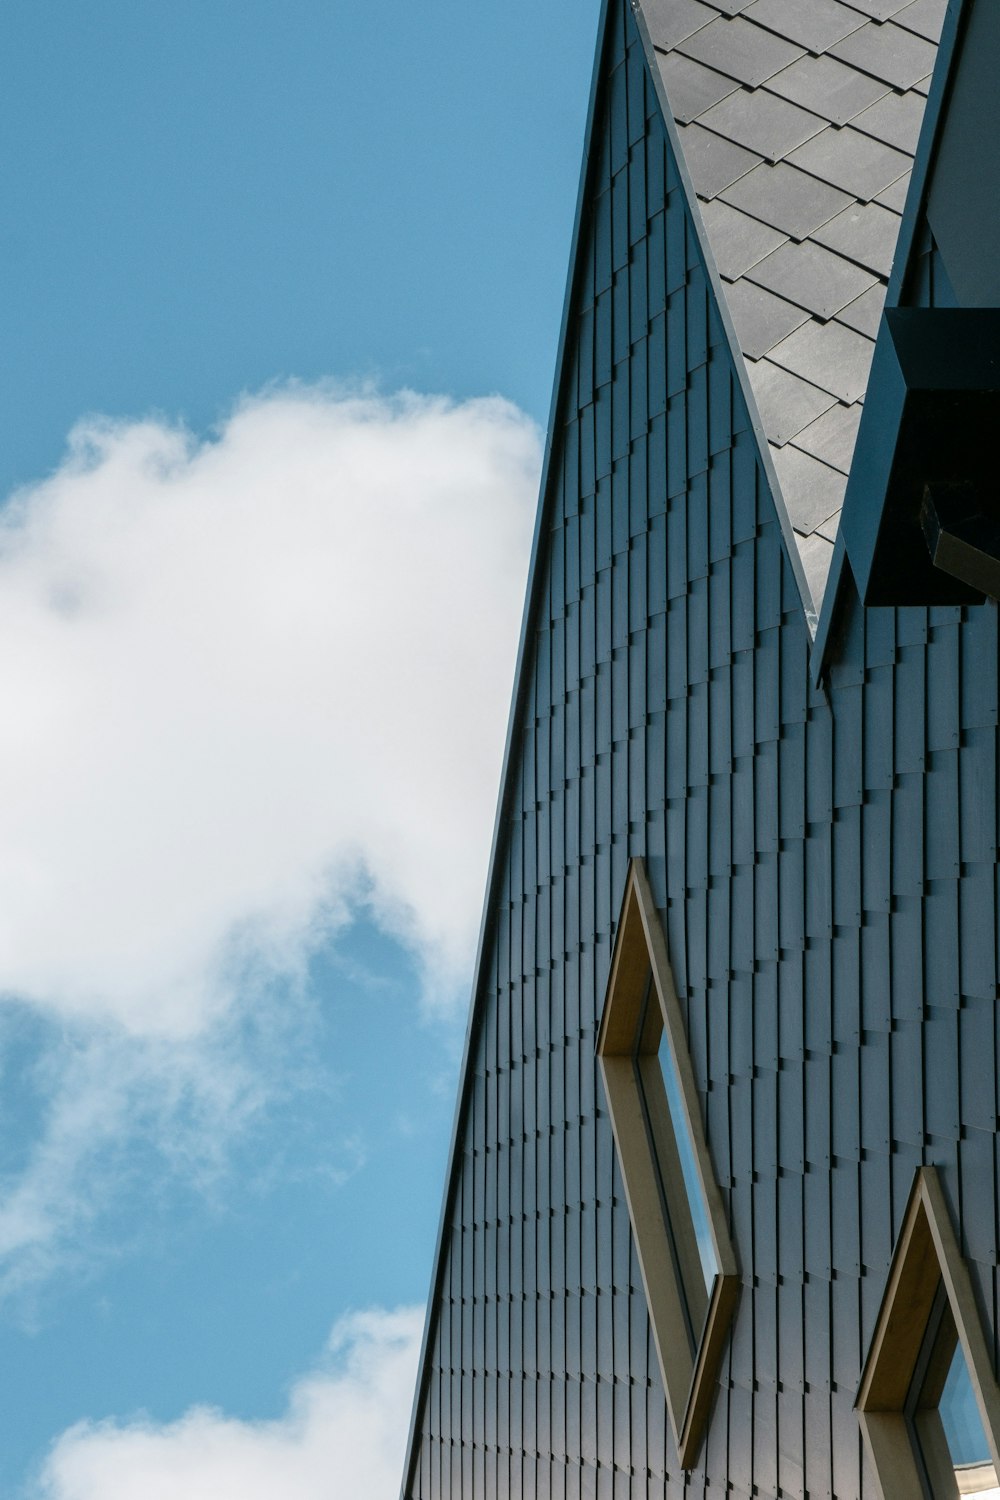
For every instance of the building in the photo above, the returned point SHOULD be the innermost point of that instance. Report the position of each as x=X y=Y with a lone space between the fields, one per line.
x=721 y=1214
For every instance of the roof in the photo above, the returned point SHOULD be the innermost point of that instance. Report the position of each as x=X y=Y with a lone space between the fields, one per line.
x=798 y=121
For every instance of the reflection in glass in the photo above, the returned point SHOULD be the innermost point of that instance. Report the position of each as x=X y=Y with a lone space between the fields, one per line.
x=682 y=1198
x=944 y=1416
x=689 y=1169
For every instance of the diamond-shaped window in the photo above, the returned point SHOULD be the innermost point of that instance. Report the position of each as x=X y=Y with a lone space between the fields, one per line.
x=687 y=1261
x=929 y=1403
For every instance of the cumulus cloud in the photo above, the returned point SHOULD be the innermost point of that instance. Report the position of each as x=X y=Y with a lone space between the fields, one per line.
x=249 y=683
x=342 y=1436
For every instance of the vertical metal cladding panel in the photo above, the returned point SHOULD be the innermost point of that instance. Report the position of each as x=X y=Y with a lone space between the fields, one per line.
x=825 y=864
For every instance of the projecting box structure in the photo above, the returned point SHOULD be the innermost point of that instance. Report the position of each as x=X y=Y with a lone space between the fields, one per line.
x=721 y=1213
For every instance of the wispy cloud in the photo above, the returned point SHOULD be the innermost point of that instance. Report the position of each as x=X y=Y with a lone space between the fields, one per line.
x=248 y=682
x=342 y=1435
x=251 y=685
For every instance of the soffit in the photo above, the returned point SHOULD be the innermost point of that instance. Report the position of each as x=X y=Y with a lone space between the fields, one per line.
x=798 y=120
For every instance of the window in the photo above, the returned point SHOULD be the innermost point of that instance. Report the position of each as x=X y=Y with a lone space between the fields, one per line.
x=687 y=1261
x=929 y=1403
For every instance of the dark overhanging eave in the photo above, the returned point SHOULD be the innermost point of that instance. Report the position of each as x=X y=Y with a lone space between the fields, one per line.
x=841 y=580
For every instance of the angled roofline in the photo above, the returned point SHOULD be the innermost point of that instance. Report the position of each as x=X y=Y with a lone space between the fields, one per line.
x=725 y=317
x=949 y=51
x=539 y=549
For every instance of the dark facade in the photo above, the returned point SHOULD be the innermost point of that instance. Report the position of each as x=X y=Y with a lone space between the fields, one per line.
x=817 y=814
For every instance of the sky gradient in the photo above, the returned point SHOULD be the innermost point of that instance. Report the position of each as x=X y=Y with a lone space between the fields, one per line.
x=234 y=971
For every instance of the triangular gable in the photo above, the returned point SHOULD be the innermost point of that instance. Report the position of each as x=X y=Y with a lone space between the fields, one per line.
x=653 y=493
x=946 y=257
x=799 y=120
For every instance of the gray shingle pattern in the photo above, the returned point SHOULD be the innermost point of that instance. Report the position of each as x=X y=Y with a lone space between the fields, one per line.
x=761 y=319
x=832 y=436
x=714 y=163
x=817 y=555
x=812 y=277
x=878 y=10
x=895 y=119
x=762 y=121
x=820 y=489
x=828 y=355
x=741 y=49
x=894 y=196
x=851 y=161
x=925 y=17
x=888 y=52
x=670 y=21
x=816 y=24
x=865 y=314
x=828 y=88
x=866 y=233
x=786 y=402
x=691 y=87
x=798 y=120
x=787 y=199
x=738 y=241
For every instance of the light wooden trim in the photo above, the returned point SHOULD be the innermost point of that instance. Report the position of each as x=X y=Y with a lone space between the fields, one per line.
x=642 y=1192
x=926 y=1255
x=689 y=1384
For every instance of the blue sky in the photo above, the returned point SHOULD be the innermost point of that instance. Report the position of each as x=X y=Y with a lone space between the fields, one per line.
x=251 y=762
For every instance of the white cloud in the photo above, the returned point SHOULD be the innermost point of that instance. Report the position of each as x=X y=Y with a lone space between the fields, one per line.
x=248 y=683
x=342 y=1437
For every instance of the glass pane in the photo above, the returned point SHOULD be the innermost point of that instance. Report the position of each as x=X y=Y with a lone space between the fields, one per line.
x=949 y=1428
x=689 y=1170
x=963 y=1427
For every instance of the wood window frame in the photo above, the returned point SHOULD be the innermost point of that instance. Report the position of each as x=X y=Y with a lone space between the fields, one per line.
x=926 y=1258
x=689 y=1376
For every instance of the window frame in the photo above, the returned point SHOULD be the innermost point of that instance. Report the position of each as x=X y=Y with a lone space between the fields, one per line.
x=925 y=1260
x=626 y=1047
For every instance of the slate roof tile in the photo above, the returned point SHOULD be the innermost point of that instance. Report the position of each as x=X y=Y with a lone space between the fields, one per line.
x=865 y=232
x=763 y=122
x=714 y=163
x=671 y=21
x=895 y=119
x=740 y=49
x=786 y=403
x=925 y=17
x=798 y=120
x=816 y=554
x=828 y=88
x=737 y=240
x=818 y=489
x=888 y=52
x=691 y=87
x=815 y=24
x=865 y=314
x=812 y=277
x=761 y=319
x=828 y=355
x=851 y=161
x=832 y=436
x=894 y=196
x=879 y=10
x=787 y=199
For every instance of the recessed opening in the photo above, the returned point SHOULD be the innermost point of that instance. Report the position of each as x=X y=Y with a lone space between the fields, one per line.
x=681 y=1236
x=682 y=1199
x=929 y=1404
x=943 y=1415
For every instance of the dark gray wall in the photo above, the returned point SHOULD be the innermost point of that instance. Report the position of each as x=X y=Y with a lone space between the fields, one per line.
x=826 y=866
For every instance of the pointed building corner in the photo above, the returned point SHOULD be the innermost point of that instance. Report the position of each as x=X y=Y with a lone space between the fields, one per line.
x=688 y=1264
x=928 y=1403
